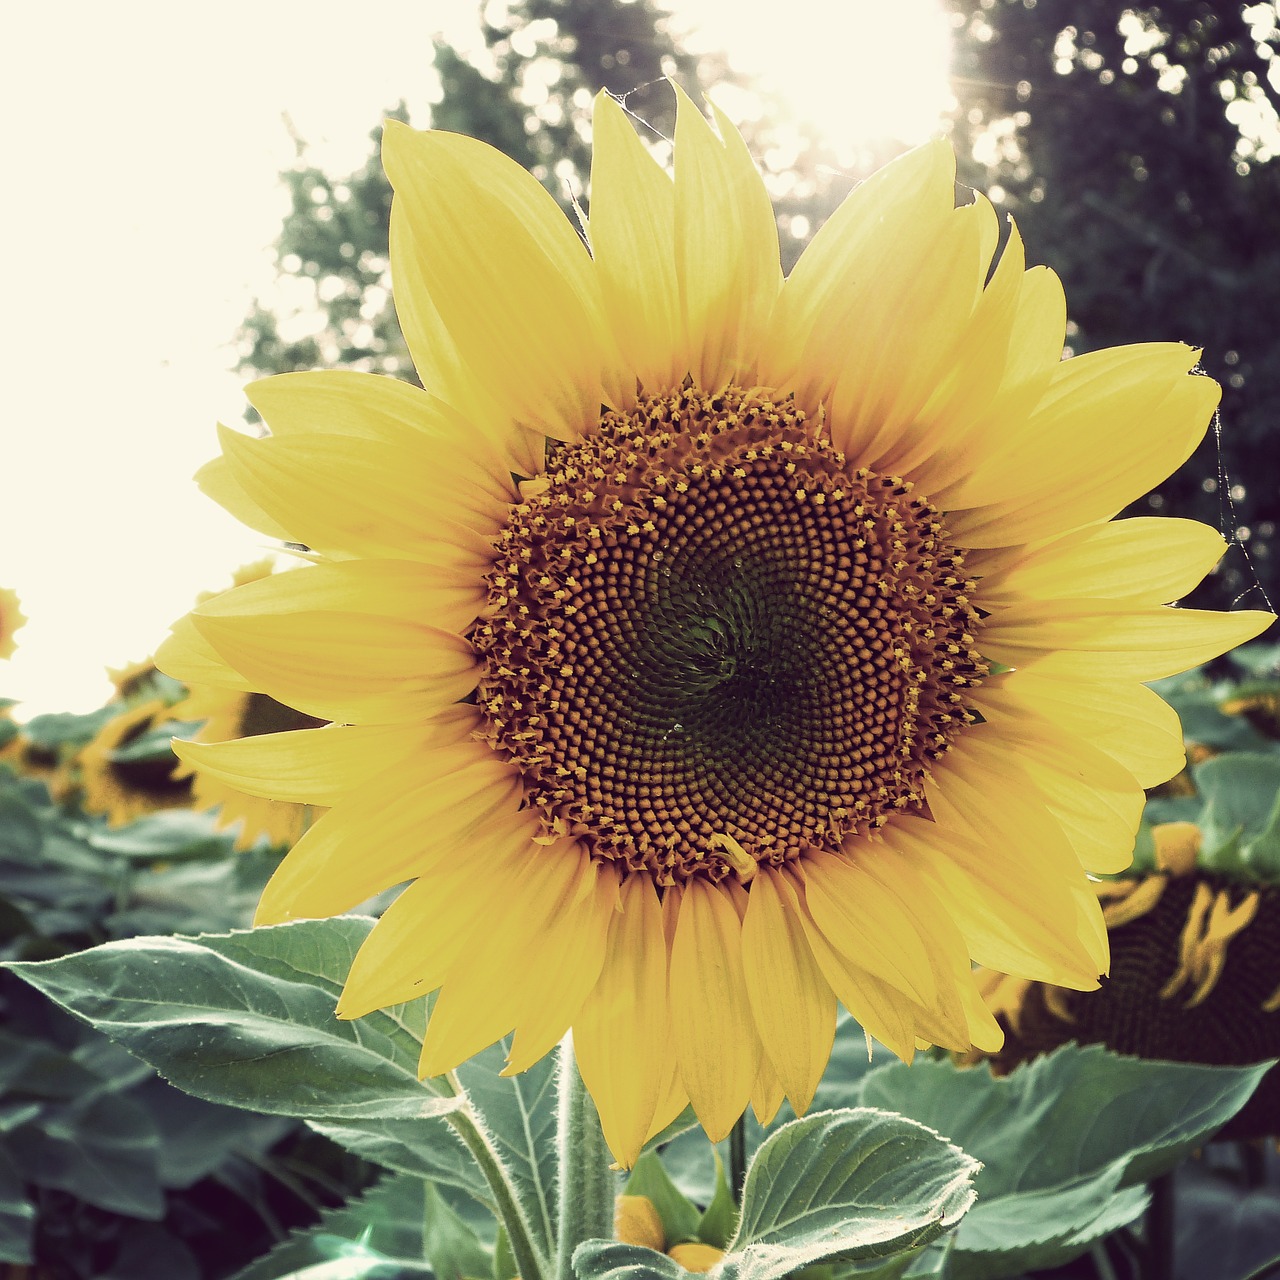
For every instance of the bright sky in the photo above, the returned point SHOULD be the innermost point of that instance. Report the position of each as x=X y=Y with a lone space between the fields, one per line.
x=142 y=146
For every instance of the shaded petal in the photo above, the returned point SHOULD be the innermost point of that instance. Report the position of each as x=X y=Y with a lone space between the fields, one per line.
x=422 y=933
x=906 y=339
x=726 y=249
x=867 y=923
x=622 y=1034
x=712 y=1027
x=346 y=667
x=215 y=480
x=482 y=250
x=187 y=656
x=1097 y=800
x=794 y=1008
x=368 y=406
x=996 y=371
x=632 y=232
x=981 y=789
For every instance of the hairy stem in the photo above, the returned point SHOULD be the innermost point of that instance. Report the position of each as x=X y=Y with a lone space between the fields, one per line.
x=587 y=1180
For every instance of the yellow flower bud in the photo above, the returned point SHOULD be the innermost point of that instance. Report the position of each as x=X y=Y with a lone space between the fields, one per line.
x=636 y=1221
x=696 y=1256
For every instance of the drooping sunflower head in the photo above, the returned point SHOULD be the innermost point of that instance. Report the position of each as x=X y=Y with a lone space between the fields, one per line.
x=126 y=773
x=705 y=649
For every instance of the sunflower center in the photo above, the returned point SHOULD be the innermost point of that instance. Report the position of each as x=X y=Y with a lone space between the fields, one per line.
x=712 y=643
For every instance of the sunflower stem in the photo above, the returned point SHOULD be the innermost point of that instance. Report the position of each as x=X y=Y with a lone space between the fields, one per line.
x=465 y=1123
x=738 y=1157
x=587 y=1180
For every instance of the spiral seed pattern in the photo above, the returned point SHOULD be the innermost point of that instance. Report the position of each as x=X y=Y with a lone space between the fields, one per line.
x=712 y=643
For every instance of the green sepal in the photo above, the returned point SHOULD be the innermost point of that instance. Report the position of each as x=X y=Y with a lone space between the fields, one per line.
x=718 y=1223
x=679 y=1215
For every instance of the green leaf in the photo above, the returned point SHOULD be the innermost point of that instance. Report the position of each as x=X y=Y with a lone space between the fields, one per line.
x=1061 y=1138
x=611 y=1260
x=679 y=1215
x=17 y=1213
x=21 y=836
x=246 y=1019
x=846 y=1185
x=520 y=1114
x=65 y=728
x=450 y=1245
x=172 y=835
x=383 y=1226
x=1242 y=811
x=422 y=1148
x=504 y=1261
x=155 y=744
x=720 y=1220
x=104 y=1149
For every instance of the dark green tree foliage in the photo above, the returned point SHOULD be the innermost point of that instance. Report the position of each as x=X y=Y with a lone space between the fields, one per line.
x=1125 y=143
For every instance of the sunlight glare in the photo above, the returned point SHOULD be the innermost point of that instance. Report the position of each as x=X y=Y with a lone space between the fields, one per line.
x=858 y=71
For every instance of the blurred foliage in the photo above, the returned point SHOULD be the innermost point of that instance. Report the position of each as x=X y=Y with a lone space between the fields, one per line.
x=106 y=1170
x=1230 y=789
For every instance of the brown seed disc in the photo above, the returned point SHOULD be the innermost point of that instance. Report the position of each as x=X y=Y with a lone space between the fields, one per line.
x=711 y=641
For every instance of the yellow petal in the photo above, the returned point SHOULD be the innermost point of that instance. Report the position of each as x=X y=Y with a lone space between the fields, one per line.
x=346 y=667
x=881 y=1010
x=1015 y=914
x=1059 y=638
x=482 y=245
x=533 y=959
x=187 y=656
x=794 y=1007
x=850 y=264
x=344 y=496
x=635 y=1220
x=726 y=249
x=421 y=934
x=1111 y=424
x=367 y=406
x=571 y=960
x=767 y=1095
x=401 y=824
x=216 y=481
x=1128 y=721
x=632 y=231
x=713 y=1031
x=622 y=1034
x=867 y=923
x=1148 y=560
x=906 y=338
x=305 y=766
x=996 y=372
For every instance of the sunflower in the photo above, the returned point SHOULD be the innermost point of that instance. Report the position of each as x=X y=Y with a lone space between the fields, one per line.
x=710 y=649
x=230 y=714
x=122 y=781
x=11 y=618
x=1195 y=977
